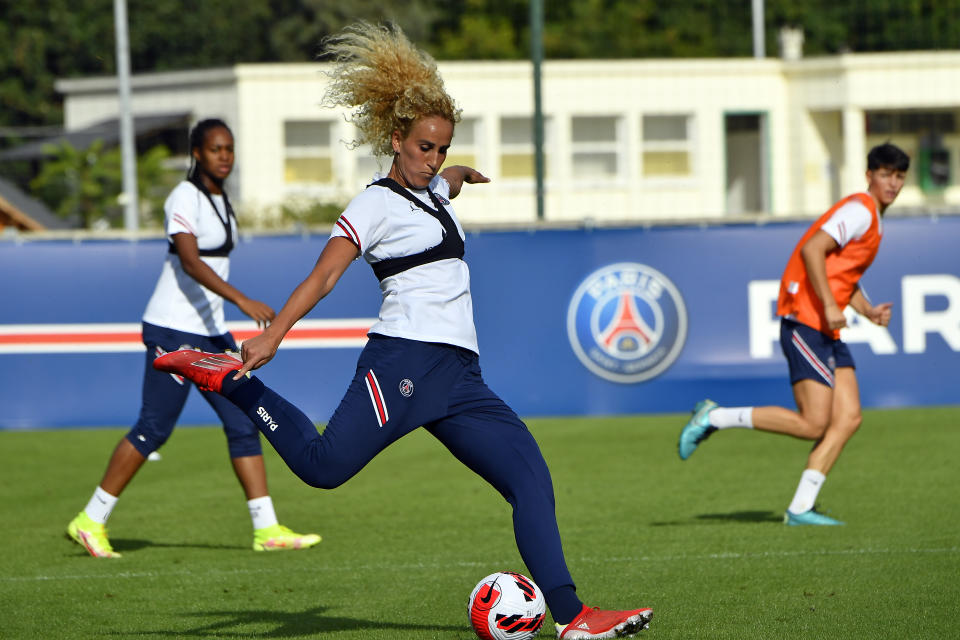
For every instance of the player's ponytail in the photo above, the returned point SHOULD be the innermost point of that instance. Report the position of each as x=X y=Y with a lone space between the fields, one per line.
x=386 y=82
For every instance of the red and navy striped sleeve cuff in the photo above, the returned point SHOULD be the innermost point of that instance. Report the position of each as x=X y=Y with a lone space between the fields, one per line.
x=350 y=232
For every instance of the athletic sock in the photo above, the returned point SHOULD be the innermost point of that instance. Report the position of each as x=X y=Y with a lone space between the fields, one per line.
x=261 y=512
x=100 y=505
x=811 y=481
x=730 y=417
x=563 y=603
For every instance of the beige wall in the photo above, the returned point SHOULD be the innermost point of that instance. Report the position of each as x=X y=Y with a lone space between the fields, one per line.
x=814 y=147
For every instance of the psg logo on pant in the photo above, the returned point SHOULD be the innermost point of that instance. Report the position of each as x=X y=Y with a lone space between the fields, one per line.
x=627 y=322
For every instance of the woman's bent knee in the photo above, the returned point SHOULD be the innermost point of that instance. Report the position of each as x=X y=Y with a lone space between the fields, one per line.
x=326 y=477
x=814 y=430
x=851 y=424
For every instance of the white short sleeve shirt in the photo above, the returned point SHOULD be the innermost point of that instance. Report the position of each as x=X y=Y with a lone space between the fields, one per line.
x=430 y=302
x=178 y=301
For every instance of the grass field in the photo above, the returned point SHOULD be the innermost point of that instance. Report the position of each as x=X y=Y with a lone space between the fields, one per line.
x=406 y=540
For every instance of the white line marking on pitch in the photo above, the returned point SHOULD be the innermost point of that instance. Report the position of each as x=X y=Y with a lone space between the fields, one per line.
x=437 y=566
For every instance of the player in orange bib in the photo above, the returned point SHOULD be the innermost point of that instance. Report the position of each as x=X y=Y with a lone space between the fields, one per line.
x=821 y=279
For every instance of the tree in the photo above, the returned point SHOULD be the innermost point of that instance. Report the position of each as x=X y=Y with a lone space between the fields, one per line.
x=48 y=39
x=880 y=25
x=44 y=41
x=299 y=27
x=482 y=30
x=86 y=183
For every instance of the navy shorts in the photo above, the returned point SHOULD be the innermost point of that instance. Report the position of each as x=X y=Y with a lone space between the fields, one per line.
x=164 y=395
x=812 y=355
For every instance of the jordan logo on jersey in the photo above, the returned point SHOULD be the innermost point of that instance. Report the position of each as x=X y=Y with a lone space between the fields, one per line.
x=627 y=322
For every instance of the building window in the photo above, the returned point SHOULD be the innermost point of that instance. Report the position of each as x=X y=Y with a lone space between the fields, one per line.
x=594 y=145
x=930 y=137
x=308 y=157
x=464 y=148
x=368 y=164
x=516 y=147
x=913 y=121
x=667 y=146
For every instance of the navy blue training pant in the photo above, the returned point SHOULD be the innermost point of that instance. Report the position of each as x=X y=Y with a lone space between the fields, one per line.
x=399 y=386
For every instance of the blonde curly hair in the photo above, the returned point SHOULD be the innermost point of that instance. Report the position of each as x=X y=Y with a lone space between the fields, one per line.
x=386 y=82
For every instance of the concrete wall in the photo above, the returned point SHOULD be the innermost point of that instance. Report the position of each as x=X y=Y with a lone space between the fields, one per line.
x=815 y=111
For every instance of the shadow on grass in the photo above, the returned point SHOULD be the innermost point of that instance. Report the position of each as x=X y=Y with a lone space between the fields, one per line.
x=125 y=545
x=735 y=516
x=121 y=545
x=285 y=625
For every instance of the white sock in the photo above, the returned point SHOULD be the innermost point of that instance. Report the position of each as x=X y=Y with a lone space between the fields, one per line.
x=728 y=417
x=100 y=505
x=811 y=481
x=261 y=512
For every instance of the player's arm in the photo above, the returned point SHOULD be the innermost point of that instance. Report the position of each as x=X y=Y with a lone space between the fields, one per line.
x=193 y=266
x=879 y=314
x=814 y=254
x=336 y=256
x=458 y=174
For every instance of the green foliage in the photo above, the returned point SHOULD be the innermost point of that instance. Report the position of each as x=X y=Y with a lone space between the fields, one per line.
x=298 y=27
x=87 y=182
x=406 y=539
x=482 y=30
x=690 y=28
x=300 y=213
x=155 y=180
x=644 y=29
x=79 y=182
x=44 y=41
x=54 y=39
x=880 y=25
x=481 y=37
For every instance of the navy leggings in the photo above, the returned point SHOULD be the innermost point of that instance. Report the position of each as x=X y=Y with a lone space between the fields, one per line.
x=399 y=386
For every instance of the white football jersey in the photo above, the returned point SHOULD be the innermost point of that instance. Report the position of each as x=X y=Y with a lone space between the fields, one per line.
x=429 y=302
x=180 y=302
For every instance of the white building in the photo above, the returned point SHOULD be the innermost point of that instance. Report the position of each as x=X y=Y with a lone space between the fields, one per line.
x=626 y=140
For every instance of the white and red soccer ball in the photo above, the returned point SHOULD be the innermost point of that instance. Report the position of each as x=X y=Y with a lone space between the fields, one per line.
x=506 y=606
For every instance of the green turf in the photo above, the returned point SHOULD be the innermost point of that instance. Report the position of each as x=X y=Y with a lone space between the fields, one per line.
x=406 y=540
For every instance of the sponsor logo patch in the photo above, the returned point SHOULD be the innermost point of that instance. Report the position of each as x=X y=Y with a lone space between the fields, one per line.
x=627 y=322
x=267 y=420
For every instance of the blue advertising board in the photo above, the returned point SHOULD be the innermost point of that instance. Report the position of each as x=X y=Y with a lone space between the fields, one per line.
x=570 y=322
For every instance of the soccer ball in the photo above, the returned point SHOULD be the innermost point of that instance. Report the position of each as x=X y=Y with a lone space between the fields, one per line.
x=506 y=606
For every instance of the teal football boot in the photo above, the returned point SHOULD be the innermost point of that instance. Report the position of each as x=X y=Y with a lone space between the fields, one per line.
x=697 y=429
x=811 y=516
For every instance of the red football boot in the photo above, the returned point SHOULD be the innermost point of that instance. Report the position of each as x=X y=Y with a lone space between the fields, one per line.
x=206 y=370
x=592 y=622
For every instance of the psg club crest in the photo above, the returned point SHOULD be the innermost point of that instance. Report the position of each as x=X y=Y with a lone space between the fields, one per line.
x=627 y=322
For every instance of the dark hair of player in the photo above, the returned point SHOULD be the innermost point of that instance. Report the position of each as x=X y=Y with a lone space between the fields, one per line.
x=197 y=137
x=888 y=156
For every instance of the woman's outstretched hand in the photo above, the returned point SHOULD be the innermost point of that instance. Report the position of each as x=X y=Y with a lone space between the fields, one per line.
x=258 y=311
x=459 y=174
x=256 y=352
